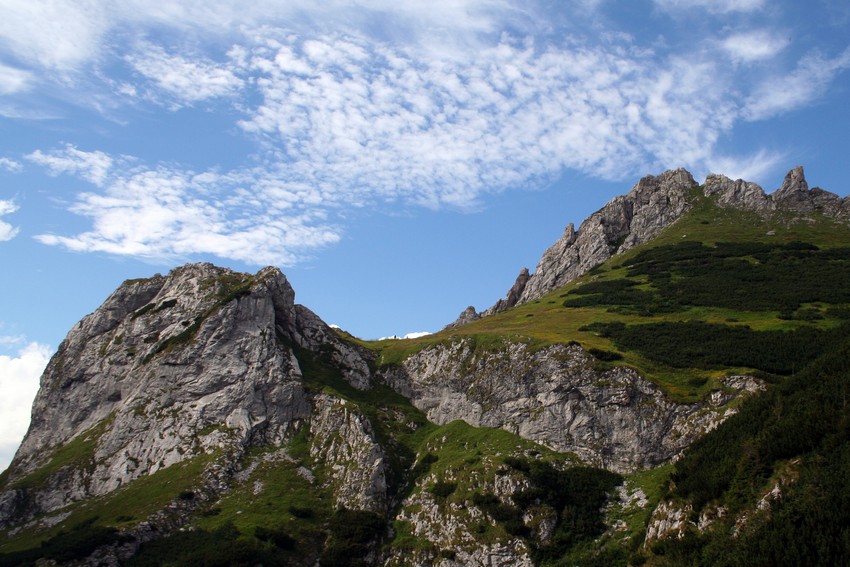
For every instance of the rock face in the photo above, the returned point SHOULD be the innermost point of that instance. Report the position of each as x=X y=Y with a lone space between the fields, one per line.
x=197 y=362
x=652 y=205
x=555 y=396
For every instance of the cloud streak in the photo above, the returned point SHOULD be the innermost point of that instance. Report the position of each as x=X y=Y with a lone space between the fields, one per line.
x=788 y=92
x=186 y=81
x=7 y=231
x=168 y=213
x=91 y=166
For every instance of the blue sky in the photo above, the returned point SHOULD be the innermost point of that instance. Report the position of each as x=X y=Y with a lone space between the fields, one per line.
x=398 y=160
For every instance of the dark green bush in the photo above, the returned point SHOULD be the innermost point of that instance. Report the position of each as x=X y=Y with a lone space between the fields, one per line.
x=442 y=489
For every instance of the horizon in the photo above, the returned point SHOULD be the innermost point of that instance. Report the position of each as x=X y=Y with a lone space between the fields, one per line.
x=398 y=163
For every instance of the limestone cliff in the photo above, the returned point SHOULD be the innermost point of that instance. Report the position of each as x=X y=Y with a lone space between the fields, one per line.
x=556 y=396
x=198 y=363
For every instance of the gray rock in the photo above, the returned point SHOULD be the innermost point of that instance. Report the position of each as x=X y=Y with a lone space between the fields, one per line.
x=737 y=194
x=343 y=436
x=468 y=315
x=611 y=418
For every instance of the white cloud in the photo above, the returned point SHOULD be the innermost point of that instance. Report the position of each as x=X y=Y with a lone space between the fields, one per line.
x=423 y=103
x=187 y=80
x=168 y=213
x=415 y=335
x=19 y=376
x=10 y=165
x=54 y=34
x=348 y=113
x=750 y=168
x=351 y=122
x=7 y=231
x=11 y=339
x=92 y=166
x=712 y=6
x=781 y=94
x=13 y=80
x=64 y=35
x=756 y=45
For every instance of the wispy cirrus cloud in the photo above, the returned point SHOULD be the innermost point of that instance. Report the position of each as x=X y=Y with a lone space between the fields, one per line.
x=780 y=94
x=10 y=165
x=169 y=213
x=345 y=112
x=7 y=231
x=713 y=6
x=185 y=80
x=754 y=45
x=14 y=80
x=92 y=166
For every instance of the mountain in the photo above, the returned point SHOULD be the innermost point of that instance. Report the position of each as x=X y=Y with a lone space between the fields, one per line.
x=618 y=407
x=652 y=205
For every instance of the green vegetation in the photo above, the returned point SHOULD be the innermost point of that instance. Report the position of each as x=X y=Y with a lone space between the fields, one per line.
x=694 y=344
x=738 y=276
x=224 y=546
x=76 y=454
x=576 y=495
x=76 y=543
x=352 y=533
x=95 y=519
x=797 y=435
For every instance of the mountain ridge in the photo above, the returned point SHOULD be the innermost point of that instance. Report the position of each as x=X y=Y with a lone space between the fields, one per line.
x=651 y=205
x=208 y=405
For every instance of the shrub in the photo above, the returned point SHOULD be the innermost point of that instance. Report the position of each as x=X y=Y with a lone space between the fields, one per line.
x=442 y=489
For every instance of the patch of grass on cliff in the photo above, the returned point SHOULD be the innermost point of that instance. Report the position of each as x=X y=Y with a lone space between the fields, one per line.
x=465 y=462
x=275 y=497
x=653 y=483
x=457 y=450
x=125 y=506
x=397 y=424
x=76 y=454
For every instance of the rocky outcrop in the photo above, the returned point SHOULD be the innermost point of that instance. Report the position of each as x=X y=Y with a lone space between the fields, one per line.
x=557 y=397
x=793 y=195
x=737 y=194
x=654 y=203
x=343 y=437
x=197 y=362
x=468 y=315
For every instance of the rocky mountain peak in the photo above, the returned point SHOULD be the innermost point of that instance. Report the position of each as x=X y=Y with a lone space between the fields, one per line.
x=172 y=367
x=655 y=202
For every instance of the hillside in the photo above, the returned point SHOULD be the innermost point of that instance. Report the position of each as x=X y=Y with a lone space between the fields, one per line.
x=204 y=417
